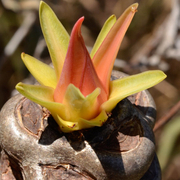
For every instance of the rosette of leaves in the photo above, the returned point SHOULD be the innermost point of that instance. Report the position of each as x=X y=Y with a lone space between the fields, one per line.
x=78 y=91
x=90 y=130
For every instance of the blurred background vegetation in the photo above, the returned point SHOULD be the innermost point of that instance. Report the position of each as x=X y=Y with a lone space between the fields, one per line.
x=152 y=42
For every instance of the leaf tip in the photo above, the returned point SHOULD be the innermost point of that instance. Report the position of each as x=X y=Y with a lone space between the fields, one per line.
x=134 y=7
x=19 y=86
x=23 y=56
x=164 y=75
x=42 y=5
x=80 y=21
x=112 y=17
x=161 y=74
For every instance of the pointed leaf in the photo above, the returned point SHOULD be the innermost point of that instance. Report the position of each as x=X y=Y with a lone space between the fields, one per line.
x=42 y=95
x=80 y=106
x=43 y=73
x=104 y=31
x=68 y=126
x=97 y=121
x=56 y=37
x=121 y=88
x=65 y=126
x=91 y=105
x=105 y=56
x=78 y=68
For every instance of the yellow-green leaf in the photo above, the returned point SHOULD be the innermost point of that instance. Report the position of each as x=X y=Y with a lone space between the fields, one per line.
x=42 y=72
x=97 y=121
x=56 y=36
x=65 y=126
x=42 y=95
x=121 y=88
x=103 y=33
x=80 y=123
x=80 y=106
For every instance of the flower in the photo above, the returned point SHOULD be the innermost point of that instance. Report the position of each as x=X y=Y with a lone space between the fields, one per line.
x=78 y=91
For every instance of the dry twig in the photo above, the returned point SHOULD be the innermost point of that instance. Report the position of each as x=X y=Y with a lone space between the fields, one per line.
x=167 y=117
